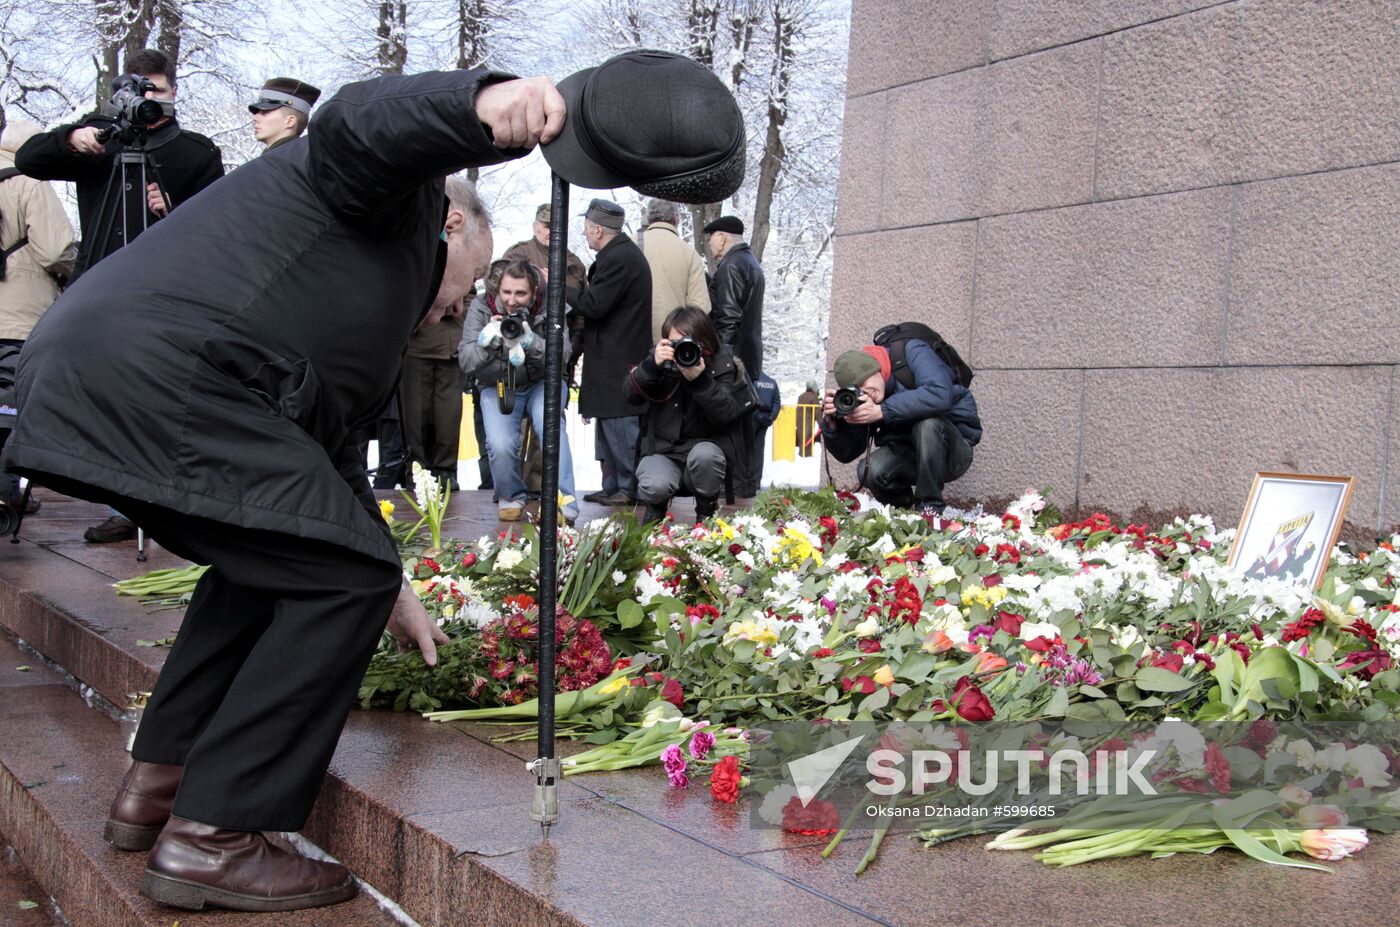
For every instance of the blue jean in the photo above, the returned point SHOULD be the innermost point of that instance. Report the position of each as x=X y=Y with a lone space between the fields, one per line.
x=503 y=442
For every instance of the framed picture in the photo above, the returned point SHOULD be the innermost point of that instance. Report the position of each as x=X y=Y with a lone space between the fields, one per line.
x=1290 y=525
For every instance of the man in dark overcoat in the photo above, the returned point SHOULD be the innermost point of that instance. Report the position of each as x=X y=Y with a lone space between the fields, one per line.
x=209 y=379
x=616 y=309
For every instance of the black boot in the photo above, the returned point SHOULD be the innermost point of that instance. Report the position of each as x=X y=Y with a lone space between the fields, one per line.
x=705 y=507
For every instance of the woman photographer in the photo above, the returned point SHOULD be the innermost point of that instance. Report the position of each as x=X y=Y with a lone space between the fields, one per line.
x=503 y=346
x=696 y=395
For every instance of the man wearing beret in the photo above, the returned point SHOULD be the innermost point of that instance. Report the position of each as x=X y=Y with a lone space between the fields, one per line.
x=923 y=434
x=736 y=301
x=282 y=110
x=617 y=330
x=271 y=336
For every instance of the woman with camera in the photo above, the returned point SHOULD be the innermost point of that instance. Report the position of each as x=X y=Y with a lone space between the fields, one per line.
x=503 y=348
x=697 y=395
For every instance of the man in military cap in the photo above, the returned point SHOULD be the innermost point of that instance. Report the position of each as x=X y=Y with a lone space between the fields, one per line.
x=617 y=331
x=282 y=110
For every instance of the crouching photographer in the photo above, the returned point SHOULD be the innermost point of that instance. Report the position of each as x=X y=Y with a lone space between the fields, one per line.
x=694 y=438
x=907 y=395
x=503 y=347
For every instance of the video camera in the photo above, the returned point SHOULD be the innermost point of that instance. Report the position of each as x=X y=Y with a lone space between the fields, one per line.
x=133 y=111
x=846 y=400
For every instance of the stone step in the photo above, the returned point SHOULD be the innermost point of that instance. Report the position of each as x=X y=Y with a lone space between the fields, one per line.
x=435 y=817
x=60 y=764
x=23 y=901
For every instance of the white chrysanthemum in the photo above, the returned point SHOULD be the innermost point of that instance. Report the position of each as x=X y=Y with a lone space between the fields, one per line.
x=477 y=614
x=507 y=558
x=618 y=577
x=771 y=808
x=648 y=587
x=885 y=545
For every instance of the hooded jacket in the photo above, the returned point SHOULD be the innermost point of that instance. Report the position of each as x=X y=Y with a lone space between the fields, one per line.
x=488 y=365
x=220 y=364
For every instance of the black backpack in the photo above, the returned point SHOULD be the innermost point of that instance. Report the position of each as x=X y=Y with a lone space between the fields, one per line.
x=5 y=253
x=893 y=338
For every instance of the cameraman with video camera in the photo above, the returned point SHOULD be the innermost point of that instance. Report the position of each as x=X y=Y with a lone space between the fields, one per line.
x=694 y=434
x=914 y=406
x=84 y=153
x=140 y=116
x=503 y=347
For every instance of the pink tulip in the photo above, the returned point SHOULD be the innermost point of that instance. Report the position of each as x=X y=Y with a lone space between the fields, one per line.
x=1323 y=816
x=1334 y=843
x=1295 y=794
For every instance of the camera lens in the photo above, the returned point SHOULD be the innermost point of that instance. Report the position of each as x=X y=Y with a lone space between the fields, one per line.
x=846 y=400
x=512 y=327
x=687 y=352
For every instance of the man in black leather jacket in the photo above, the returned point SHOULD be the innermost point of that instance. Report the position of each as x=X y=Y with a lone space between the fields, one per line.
x=736 y=301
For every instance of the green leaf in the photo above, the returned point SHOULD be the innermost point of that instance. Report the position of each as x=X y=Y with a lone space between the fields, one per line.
x=1059 y=703
x=629 y=614
x=876 y=700
x=1157 y=679
x=27 y=905
x=917 y=667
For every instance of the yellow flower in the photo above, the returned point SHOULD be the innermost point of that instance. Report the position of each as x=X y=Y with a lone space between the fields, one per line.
x=884 y=675
x=386 y=508
x=796 y=548
x=616 y=685
x=725 y=530
x=751 y=631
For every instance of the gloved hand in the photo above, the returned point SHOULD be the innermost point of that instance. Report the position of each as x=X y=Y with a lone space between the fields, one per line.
x=490 y=336
x=516 y=355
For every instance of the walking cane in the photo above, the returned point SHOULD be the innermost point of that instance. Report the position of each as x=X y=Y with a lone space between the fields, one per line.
x=546 y=766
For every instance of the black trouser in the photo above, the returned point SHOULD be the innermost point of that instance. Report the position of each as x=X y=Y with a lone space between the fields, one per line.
x=430 y=407
x=931 y=454
x=393 y=455
x=264 y=670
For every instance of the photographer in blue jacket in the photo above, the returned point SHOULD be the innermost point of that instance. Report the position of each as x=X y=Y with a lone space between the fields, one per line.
x=910 y=418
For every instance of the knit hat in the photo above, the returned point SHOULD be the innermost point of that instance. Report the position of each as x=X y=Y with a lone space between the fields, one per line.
x=855 y=367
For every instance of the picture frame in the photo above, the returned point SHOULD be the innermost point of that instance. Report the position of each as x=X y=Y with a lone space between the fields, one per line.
x=1290 y=525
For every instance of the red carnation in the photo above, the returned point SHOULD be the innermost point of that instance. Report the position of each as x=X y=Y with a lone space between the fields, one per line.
x=980 y=550
x=869 y=645
x=469 y=561
x=818 y=819
x=724 y=781
x=671 y=691
x=1168 y=661
x=991 y=580
x=1218 y=768
x=822 y=653
x=1242 y=649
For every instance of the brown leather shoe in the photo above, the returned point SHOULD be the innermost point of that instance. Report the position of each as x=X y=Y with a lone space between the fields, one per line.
x=112 y=530
x=142 y=805
x=194 y=866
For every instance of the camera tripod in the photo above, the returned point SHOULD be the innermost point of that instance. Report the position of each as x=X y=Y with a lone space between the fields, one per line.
x=124 y=199
x=132 y=171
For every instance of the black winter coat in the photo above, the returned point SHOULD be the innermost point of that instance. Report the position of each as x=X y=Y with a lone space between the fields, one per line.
x=680 y=413
x=736 y=306
x=187 y=162
x=220 y=364
x=616 y=309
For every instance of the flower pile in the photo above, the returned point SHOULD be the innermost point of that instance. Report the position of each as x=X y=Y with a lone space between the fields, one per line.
x=830 y=608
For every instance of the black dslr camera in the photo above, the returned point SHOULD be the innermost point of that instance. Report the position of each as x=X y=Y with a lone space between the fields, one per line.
x=513 y=326
x=133 y=112
x=687 y=352
x=846 y=400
